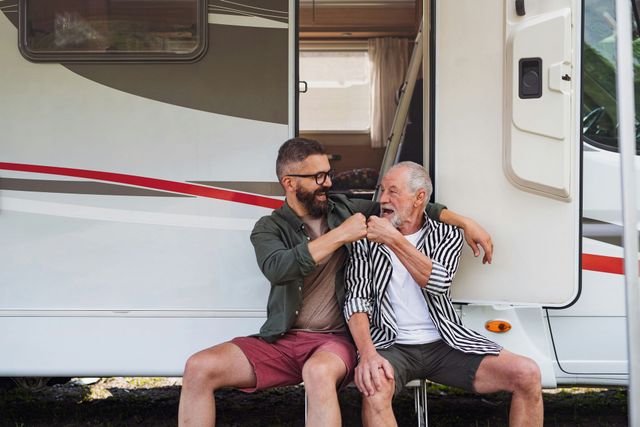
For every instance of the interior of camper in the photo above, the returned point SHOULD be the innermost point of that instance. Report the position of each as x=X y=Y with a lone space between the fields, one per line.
x=353 y=59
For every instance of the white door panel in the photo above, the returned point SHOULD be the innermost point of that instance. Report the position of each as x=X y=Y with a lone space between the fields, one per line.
x=537 y=138
x=510 y=163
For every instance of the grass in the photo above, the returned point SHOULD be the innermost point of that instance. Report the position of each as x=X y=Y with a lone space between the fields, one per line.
x=154 y=402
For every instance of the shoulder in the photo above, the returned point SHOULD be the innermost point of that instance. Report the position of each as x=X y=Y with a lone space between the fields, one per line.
x=444 y=231
x=271 y=222
x=366 y=207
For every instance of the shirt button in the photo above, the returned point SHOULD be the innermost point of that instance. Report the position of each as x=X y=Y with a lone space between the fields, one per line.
x=297 y=312
x=299 y=288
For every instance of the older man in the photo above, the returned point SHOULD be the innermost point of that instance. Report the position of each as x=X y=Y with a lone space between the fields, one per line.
x=300 y=248
x=401 y=317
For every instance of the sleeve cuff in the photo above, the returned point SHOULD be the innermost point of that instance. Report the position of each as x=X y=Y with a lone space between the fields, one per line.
x=356 y=305
x=440 y=279
x=304 y=258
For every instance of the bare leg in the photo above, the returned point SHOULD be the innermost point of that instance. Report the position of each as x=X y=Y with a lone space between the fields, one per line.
x=518 y=375
x=322 y=374
x=224 y=365
x=377 y=410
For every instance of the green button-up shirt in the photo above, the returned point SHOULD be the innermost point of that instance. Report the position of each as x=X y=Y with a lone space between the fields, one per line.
x=282 y=251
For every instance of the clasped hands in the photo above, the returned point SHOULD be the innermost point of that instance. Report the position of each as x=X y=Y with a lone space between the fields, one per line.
x=371 y=371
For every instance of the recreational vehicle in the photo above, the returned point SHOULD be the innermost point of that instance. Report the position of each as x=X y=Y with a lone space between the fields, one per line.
x=138 y=142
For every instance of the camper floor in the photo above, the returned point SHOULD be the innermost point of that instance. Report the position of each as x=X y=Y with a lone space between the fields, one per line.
x=154 y=402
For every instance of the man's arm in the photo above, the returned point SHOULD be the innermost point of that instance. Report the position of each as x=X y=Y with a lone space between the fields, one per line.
x=434 y=210
x=371 y=365
x=474 y=234
x=419 y=266
x=368 y=208
x=280 y=263
x=434 y=274
x=358 y=306
x=354 y=228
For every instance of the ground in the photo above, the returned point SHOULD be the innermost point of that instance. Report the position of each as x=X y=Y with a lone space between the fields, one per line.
x=154 y=402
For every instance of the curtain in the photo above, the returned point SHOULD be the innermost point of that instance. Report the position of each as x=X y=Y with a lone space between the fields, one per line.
x=389 y=60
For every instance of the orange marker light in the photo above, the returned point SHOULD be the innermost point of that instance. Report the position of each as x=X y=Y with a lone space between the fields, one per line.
x=497 y=326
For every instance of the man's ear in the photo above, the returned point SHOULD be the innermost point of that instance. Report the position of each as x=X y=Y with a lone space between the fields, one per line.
x=420 y=196
x=288 y=184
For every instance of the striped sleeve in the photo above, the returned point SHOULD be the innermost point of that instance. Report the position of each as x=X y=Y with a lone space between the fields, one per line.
x=358 y=297
x=445 y=258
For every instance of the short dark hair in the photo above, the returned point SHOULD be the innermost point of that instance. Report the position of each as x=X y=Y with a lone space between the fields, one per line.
x=296 y=150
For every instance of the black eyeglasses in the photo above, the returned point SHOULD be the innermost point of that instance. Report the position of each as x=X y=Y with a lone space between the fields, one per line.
x=320 y=177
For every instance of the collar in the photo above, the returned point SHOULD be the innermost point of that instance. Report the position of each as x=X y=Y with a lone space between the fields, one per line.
x=424 y=230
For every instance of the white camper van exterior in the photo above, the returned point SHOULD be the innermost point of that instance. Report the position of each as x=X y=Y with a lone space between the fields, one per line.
x=129 y=190
x=130 y=180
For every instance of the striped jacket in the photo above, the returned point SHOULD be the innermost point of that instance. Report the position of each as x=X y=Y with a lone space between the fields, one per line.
x=368 y=273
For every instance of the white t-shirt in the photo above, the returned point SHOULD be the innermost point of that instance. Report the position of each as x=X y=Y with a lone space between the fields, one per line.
x=407 y=301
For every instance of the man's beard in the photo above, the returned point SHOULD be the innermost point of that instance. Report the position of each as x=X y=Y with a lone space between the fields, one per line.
x=316 y=208
x=397 y=218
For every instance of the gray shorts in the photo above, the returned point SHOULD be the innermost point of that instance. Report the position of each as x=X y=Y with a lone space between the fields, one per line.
x=436 y=361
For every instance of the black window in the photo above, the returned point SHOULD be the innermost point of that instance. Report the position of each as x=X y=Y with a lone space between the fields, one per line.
x=85 y=30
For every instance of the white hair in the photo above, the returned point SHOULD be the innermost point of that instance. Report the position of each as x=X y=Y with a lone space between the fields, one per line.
x=417 y=178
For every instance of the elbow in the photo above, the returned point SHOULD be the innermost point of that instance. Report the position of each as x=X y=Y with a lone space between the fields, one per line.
x=282 y=267
x=270 y=272
x=274 y=274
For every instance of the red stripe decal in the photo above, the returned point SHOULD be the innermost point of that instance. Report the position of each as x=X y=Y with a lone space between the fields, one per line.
x=157 y=184
x=604 y=264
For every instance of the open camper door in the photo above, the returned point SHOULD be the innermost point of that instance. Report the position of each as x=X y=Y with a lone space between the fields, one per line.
x=507 y=143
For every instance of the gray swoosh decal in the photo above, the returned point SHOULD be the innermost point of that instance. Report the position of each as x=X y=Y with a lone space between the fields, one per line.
x=79 y=187
x=237 y=77
x=602 y=231
x=10 y=10
x=263 y=188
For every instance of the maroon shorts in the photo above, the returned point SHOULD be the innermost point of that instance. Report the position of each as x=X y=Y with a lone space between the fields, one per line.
x=280 y=363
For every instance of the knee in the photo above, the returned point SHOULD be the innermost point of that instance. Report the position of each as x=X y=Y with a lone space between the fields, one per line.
x=381 y=399
x=527 y=377
x=202 y=371
x=320 y=374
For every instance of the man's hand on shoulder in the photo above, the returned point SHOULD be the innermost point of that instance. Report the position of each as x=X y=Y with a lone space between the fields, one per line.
x=354 y=228
x=380 y=230
x=370 y=371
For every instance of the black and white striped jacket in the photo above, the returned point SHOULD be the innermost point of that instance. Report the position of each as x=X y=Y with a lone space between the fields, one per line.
x=368 y=273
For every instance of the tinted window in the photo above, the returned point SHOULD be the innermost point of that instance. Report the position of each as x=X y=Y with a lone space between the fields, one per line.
x=599 y=110
x=111 y=29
